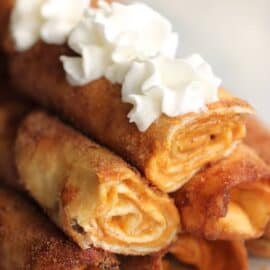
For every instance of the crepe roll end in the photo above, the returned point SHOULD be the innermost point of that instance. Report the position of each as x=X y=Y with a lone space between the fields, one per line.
x=93 y=195
x=194 y=140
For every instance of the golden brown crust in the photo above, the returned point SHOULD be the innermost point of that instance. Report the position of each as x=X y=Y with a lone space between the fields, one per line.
x=29 y=241
x=95 y=197
x=229 y=199
x=97 y=110
x=206 y=255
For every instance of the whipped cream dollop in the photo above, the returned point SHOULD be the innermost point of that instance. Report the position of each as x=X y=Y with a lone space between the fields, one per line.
x=168 y=86
x=132 y=45
x=26 y=21
x=108 y=39
x=48 y=20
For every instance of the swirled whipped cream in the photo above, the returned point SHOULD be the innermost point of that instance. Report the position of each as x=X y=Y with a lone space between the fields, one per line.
x=168 y=86
x=108 y=39
x=48 y=20
x=132 y=45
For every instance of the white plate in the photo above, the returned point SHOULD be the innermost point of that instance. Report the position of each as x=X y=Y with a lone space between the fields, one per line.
x=234 y=37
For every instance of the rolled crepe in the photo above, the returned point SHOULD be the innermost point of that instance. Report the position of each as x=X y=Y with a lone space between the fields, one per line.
x=93 y=195
x=208 y=255
x=169 y=153
x=228 y=200
x=29 y=241
x=11 y=113
x=258 y=137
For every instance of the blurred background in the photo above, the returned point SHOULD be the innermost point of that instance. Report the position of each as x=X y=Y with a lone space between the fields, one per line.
x=233 y=36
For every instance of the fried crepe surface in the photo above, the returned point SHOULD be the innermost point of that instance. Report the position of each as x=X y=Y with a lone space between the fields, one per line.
x=206 y=255
x=93 y=195
x=169 y=153
x=228 y=200
x=258 y=137
x=29 y=241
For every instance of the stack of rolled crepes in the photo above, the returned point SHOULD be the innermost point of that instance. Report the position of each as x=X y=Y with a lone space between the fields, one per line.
x=185 y=193
x=46 y=152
